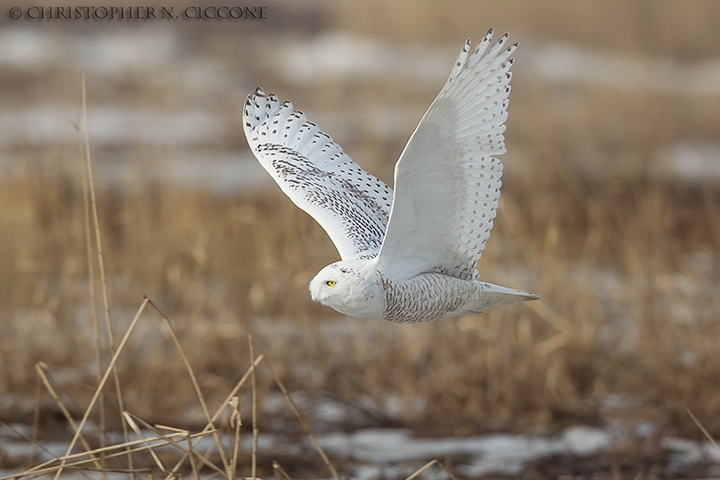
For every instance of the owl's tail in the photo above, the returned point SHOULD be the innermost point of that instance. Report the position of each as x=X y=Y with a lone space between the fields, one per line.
x=496 y=295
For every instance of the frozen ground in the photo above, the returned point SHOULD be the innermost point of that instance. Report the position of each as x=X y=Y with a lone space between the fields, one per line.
x=371 y=453
x=188 y=145
x=197 y=131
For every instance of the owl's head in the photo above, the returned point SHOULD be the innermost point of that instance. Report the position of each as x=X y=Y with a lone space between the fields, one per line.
x=333 y=283
x=349 y=287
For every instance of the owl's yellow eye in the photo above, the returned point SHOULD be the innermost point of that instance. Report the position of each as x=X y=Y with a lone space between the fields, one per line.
x=331 y=283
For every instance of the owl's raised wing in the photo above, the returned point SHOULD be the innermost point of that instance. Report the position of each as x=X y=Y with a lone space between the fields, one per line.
x=350 y=204
x=447 y=180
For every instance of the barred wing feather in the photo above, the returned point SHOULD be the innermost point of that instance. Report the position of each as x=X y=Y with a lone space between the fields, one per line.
x=313 y=171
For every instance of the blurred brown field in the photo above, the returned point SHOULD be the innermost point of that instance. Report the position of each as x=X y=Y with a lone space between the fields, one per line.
x=622 y=247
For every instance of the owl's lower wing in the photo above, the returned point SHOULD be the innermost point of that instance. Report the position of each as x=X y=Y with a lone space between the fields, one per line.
x=447 y=181
x=314 y=172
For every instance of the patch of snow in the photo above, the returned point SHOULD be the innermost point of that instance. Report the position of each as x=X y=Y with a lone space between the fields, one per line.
x=342 y=56
x=583 y=440
x=690 y=451
x=395 y=452
x=490 y=453
x=109 y=125
x=338 y=55
x=696 y=163
x=107 y=52
x=219 y=172
x=569 y=63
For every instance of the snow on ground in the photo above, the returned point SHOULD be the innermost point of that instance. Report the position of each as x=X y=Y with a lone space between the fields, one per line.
x=160 y=57
x=108 y=126
x=504 y=453
x=342 y=56
x=372 y=450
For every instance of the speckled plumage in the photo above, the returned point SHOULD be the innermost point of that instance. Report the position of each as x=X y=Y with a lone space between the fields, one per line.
x=411 y=256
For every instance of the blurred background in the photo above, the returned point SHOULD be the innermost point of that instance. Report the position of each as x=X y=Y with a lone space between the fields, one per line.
x=610 y=210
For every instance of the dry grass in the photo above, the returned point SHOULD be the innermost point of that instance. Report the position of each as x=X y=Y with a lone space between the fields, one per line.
x=625 y=263
x=550 y=364
x=220 y=266
x=150 y=454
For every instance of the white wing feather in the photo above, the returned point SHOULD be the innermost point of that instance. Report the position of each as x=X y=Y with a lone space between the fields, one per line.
x=447 y=181
x=350 y=204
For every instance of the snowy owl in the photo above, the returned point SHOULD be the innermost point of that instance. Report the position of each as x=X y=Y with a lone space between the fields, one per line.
x=409 y=256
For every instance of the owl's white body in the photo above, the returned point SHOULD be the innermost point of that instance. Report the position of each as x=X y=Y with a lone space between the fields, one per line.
x=408 y=255
x=364 y=292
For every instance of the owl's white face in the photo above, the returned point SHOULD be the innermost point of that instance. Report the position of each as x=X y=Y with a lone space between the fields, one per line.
x=350 y=287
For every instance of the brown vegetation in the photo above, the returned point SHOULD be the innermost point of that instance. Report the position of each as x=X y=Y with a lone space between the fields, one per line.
x=627 y=263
